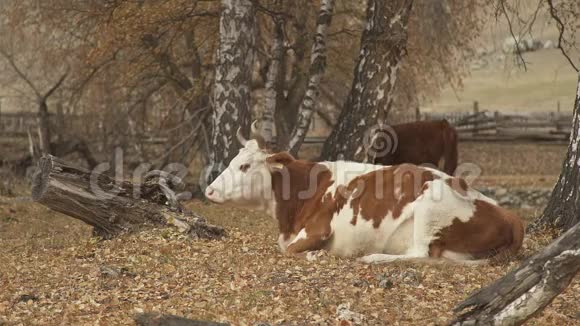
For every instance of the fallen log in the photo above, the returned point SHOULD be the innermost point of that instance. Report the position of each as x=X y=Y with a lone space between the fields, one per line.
x=526 y=290
x=114 y=207
x=155 y=319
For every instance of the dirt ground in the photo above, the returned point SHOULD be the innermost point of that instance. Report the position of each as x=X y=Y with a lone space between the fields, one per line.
x=53 y=273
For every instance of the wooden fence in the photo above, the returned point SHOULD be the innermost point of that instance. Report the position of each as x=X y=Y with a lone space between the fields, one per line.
x=17 y=123
x=504 y=126
x=478 y=125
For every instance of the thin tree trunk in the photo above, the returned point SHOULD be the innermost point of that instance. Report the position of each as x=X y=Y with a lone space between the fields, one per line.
x=382 y=48
x=526 y=290
x=44 y=127
x=272 y=82
x=287 y=107
x=317 y=68
x=563 y=210
x=60 y=123
x=44 y=117
x=232 y=91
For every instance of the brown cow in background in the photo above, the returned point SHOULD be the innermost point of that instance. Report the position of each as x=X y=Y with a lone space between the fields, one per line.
x=423 y=142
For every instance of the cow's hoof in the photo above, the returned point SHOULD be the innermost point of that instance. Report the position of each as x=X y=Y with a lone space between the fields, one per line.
x=315 y=255
x=311 y=256
x=368 y=259
x=377 y=258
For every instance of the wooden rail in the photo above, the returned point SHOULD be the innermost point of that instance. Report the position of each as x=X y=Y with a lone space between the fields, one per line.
x=477 y=125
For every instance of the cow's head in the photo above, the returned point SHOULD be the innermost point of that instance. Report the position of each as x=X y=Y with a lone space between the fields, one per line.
x=247 y=181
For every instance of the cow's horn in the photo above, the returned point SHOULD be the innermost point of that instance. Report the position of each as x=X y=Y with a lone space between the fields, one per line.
x=240 y=137
x=254 y=128
x=255 y=134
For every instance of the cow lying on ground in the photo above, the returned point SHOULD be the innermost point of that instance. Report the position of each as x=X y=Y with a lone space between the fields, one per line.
x=355 y=209
x=422 y=142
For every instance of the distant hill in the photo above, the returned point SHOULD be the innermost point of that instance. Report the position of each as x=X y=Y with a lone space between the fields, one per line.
x=497 y=83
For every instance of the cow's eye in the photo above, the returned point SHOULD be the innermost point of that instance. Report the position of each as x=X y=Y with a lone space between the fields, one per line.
x=244 y=167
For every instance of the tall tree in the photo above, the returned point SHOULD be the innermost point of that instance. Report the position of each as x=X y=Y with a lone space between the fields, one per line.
x=317 y=67
x=272 y=81
x=563 y=210
x=383 y=45
x=232 y=89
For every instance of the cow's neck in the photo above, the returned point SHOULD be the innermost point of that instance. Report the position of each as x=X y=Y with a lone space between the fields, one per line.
x=297 y=191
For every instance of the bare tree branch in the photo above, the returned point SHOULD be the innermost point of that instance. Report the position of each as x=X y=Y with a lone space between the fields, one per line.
x=516 y=38
x=20 y=73
x=561 y=28
x=55 y=86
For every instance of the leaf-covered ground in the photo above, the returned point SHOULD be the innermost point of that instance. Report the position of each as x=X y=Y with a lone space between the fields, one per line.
x=53 y=273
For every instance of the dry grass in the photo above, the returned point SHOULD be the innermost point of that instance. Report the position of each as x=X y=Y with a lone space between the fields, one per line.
x=51 y=272
x=549 y=79
x=505 y=87
x=515 y=164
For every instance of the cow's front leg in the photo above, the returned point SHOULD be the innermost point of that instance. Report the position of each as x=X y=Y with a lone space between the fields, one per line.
x=307 y=244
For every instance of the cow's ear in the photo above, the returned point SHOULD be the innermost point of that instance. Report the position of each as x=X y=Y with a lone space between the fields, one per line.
x=277 y=161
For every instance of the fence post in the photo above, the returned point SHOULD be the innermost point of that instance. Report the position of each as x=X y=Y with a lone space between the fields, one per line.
x=557 y=117
x=475 y=114
x=60 y=122
x=497 y=121
x=417 y=113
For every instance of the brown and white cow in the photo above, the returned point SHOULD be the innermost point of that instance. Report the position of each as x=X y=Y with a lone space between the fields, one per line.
x=383 y=213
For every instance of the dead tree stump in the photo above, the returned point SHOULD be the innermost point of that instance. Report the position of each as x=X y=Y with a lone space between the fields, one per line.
x=113 y=207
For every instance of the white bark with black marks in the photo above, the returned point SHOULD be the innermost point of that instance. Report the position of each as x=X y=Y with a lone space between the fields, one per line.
x=232 y=89
x=383 y=45
x=271 y=96
x=563 y=210
x=317 y=68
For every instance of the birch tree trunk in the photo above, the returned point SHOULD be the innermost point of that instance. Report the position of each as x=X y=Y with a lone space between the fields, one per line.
x=382 y=48
x=272 y=82
x=232 y=92
x=293 y=75
x=563 y=210
x=528 y=289
x=317 y=67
